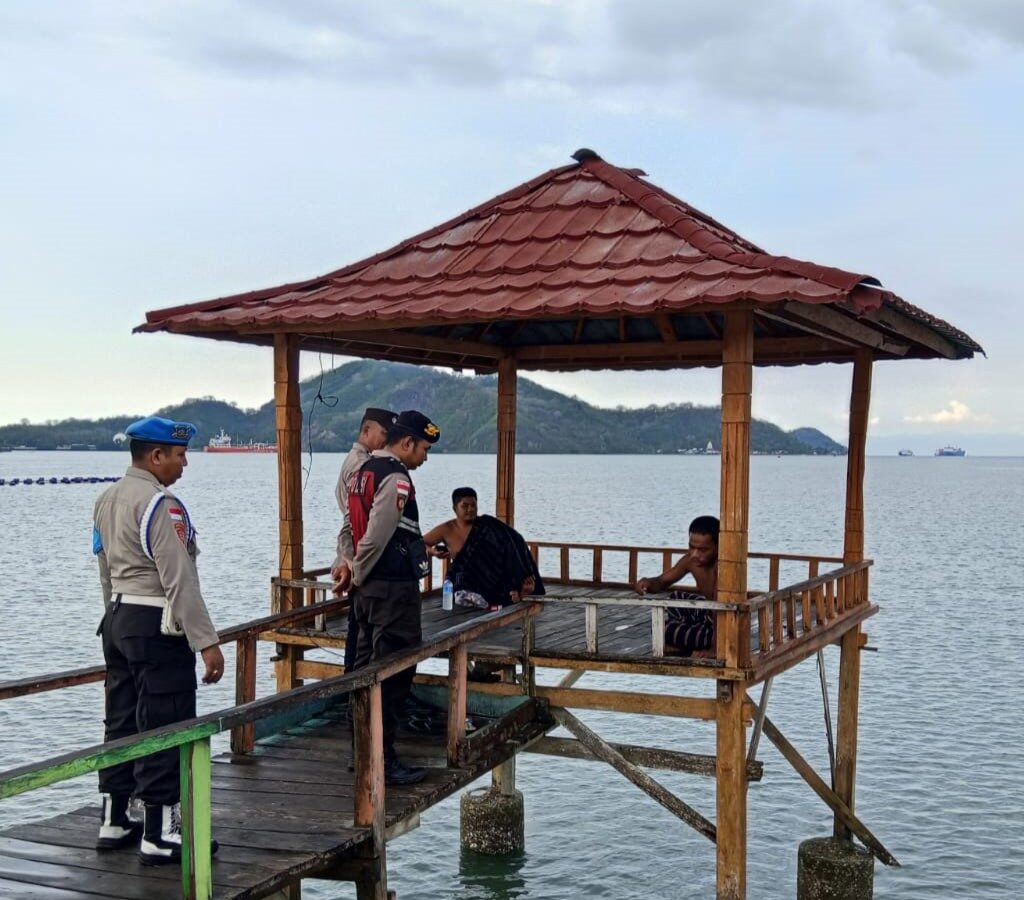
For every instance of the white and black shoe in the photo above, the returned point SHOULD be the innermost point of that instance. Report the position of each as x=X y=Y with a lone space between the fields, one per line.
x=161 y=837
x=117 y=828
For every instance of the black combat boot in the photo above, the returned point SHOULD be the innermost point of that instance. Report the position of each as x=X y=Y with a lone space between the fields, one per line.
x=117 y=830
x=396 y=772
x=161 y=839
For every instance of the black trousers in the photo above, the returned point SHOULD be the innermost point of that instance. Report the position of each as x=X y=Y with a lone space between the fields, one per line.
x=388 y=617
x=151 y=682
x=351 y=636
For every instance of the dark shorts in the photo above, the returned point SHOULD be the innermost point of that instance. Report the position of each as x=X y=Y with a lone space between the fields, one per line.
x=688 y=630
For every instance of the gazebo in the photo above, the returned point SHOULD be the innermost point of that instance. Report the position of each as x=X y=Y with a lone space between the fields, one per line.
x=591 y=266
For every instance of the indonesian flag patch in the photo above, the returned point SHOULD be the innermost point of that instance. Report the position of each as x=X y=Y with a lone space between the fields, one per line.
x=403 y=488
x=177 y=515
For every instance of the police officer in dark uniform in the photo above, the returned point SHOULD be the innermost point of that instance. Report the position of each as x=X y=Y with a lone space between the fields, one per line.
x=373 y=432
x=389 y=561
x=155 y=620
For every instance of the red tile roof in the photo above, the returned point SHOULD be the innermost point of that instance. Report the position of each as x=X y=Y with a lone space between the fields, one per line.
x=589 y=239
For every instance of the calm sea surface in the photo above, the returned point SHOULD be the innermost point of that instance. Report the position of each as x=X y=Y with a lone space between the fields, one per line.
x=940 y=776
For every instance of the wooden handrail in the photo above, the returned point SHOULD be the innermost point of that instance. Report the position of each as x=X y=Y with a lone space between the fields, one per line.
x=626 y=548
x=36 y=684
x=192 y=736
x=802 y=587
x=99 y=756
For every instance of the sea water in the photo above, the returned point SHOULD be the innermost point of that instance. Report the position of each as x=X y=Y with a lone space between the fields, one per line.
x=940 y=775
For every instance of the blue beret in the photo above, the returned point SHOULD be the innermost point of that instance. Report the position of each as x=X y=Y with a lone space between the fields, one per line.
x=157 y=430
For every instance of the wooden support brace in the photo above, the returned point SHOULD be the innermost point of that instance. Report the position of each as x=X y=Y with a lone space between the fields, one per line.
x=648 y=757
x=604 y=751
x=841 y=810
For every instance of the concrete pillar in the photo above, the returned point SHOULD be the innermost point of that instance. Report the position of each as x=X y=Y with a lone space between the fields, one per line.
x=492 y=822
x=832 y=869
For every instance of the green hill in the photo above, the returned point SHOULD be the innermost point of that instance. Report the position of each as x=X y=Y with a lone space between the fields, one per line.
x=464 y=406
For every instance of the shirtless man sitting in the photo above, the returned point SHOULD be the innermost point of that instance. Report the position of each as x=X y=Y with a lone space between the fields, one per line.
x=691 y=632
x=487 y=556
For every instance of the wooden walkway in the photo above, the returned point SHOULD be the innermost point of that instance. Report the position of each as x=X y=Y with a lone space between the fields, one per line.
x=283 y=812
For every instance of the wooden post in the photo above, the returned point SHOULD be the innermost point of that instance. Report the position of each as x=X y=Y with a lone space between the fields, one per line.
x=731 y=792
x=196 y=812
x=505 y=503
x=860 y=400
x=458 y=668
x=368 y=734
x=503 y=777
x=733 y=628
x=243 y=736
x=853 y=551
x=288 y=416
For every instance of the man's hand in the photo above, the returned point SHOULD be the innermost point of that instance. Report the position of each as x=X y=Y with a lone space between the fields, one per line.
x=213 y=659
x=439 y=550
x=342 y=577
x=528 y=586
x=646 y=585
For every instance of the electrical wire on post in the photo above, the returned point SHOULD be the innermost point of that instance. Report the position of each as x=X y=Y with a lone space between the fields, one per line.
x=329 y=401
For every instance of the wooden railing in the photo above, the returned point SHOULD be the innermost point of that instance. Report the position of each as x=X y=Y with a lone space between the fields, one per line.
x=748 y=635
x=192 y=737
x=773 y=624
x=596 y=566
x=786 y=617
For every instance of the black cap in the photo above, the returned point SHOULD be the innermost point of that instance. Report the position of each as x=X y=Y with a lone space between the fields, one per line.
x=383 y=417
x=417 y=425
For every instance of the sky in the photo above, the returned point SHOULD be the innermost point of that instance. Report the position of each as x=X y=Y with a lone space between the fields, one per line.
x=169 y=152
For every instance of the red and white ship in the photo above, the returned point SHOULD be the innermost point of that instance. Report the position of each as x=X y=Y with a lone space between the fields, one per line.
x=221 y=443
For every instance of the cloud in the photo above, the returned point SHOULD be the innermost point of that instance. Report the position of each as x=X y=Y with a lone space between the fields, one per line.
x=999 y=19
x=955 y=413
x=610 y=53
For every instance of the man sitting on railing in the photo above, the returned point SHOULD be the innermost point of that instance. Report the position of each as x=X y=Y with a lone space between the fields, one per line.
x=691 y=632
x=490 y=563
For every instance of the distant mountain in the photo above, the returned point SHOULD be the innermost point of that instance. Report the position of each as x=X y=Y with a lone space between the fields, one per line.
x=816 y=440
x=464 y=407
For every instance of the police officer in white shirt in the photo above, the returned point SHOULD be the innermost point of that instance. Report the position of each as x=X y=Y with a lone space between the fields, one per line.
x=154 y=622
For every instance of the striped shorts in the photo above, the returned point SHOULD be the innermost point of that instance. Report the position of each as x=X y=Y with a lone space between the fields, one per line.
x=688 y=630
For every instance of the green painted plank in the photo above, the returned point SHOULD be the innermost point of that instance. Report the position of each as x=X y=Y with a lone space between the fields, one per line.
x=196 y=859
x=83 y=765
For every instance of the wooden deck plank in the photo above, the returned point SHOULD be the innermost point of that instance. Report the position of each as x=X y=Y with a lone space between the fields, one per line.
x=24 y=891
x=282 y=812
x=102 y=883
x=233 y=865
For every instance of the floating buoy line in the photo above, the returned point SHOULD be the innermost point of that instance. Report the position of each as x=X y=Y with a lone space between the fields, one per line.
x=53 y=479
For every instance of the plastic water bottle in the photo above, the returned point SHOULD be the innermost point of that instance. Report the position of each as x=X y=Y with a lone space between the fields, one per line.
x=447 y=595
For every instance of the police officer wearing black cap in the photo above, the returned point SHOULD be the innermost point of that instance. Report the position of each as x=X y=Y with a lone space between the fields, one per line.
x=388 y=563
x=154 y=622
x=373 y=433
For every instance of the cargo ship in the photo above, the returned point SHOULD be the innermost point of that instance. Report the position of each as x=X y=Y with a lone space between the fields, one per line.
x=950 y=451
x=221 y=443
